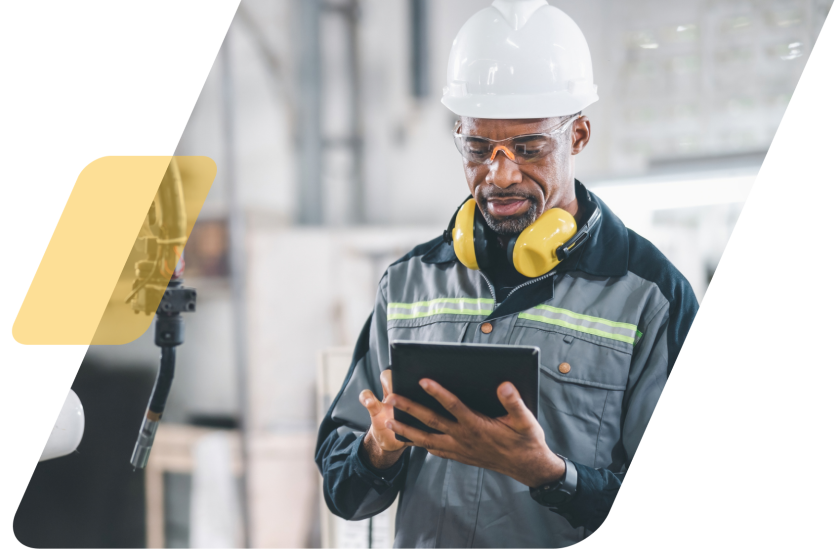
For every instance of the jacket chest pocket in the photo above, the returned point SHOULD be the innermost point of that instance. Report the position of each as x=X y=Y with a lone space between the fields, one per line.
x=582 y=385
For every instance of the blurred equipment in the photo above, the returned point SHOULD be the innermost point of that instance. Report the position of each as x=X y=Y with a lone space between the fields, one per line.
x=181 y=488
x=208 y=249
x=67 y=432
x=171 y=479
x=532 y=62
x=159 y=279
x=215 y=511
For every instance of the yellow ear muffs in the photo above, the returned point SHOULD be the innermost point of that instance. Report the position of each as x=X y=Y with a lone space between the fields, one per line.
x=535 y=251
x=463 y=240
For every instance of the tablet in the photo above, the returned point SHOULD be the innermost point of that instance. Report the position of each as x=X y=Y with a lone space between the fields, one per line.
x=472 y=372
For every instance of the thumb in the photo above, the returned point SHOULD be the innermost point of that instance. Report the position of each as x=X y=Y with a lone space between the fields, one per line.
x=370 y=402
x=512 y=401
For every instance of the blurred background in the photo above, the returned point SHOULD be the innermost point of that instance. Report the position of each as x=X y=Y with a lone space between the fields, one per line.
x=335 y=157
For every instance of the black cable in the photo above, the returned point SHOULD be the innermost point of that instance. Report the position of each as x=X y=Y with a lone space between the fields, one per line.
x=166 y=373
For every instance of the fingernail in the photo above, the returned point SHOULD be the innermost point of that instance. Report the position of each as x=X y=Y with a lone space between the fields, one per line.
x=424 y=383
x=368 y=402
x=507 y=390
x=389 y=425
x=390 y=400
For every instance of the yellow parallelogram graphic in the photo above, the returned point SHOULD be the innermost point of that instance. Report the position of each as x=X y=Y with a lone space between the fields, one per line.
x=94 y=260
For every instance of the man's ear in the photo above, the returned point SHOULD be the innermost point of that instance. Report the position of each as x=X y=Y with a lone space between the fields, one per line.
x=581 y=132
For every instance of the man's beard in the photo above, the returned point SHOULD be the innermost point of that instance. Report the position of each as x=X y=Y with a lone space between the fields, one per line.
x=509 y=225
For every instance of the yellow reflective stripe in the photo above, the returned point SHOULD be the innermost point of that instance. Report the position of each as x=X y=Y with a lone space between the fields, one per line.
x=590 y=318
x=440 y=306
x=596 y=332
x=442 y=300
x=392 y=317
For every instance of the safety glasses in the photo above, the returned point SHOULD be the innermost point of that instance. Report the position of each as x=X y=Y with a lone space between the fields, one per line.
x=525 y=148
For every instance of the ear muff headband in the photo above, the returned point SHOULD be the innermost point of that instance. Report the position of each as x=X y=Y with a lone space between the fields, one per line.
x=580 y=237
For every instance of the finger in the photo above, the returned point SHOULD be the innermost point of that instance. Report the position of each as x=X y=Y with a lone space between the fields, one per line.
x=425 y=415
x=385 y=379
x=449 y=401
x=419 y=437
x=519 y=414
x=370 y=402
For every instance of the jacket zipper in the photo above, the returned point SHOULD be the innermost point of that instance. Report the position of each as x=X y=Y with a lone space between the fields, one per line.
x=534 y=281
x=528 y=283
x=489 y=285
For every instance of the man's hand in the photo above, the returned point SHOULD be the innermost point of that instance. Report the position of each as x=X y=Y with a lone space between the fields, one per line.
x=380 y=443
x=513 y=445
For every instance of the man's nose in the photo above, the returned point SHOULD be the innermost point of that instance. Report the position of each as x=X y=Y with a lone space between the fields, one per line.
x=503 y=172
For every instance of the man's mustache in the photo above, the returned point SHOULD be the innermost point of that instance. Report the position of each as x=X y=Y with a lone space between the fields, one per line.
x=504 y=193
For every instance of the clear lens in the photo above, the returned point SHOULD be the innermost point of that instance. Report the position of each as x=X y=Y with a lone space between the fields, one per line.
x=535 y=146
x=476 y=148
x=526 y=148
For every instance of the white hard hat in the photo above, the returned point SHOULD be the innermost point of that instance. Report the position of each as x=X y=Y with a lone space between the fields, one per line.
x=519 y=59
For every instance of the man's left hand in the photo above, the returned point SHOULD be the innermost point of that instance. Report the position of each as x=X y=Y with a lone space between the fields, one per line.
x=513 y=445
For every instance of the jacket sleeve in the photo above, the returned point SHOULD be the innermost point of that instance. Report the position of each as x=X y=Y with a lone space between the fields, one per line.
x=354 y=489
x=649 y=370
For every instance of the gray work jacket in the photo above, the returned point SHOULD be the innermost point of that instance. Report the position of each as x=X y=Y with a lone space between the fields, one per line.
x=616 y=312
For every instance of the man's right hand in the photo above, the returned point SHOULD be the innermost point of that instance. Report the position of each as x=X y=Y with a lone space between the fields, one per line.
x=381 y=444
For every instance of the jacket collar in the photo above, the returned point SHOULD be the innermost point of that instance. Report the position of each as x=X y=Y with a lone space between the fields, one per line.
x=605 y=254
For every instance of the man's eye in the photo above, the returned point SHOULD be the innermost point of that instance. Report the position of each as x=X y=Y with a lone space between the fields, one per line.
x=477 y=148
x=530 y=148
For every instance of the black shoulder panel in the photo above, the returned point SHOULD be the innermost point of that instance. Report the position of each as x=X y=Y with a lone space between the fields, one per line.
x=421 y=250
x=649 y=263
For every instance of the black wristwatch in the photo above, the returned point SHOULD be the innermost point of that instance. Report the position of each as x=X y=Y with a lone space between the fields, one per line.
x=560 y=491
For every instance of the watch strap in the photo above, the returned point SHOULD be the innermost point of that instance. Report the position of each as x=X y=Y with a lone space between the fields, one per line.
x=560 y=491
x=570 y=478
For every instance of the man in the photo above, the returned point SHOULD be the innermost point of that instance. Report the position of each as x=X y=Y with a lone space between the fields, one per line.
x=609 y=320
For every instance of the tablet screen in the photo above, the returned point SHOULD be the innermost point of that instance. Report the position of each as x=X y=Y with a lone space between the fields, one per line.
x=472 y=372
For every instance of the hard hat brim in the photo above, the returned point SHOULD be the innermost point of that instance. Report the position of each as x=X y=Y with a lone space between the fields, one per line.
x=541 y=106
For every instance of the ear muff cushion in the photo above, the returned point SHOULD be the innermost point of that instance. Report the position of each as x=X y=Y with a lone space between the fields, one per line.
x=463 y=240
x=535 y=252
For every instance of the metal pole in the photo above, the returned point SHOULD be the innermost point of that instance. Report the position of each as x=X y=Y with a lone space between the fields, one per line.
x=357 y=194
x=238 y=263
x=419 y=26
x=310 y=187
